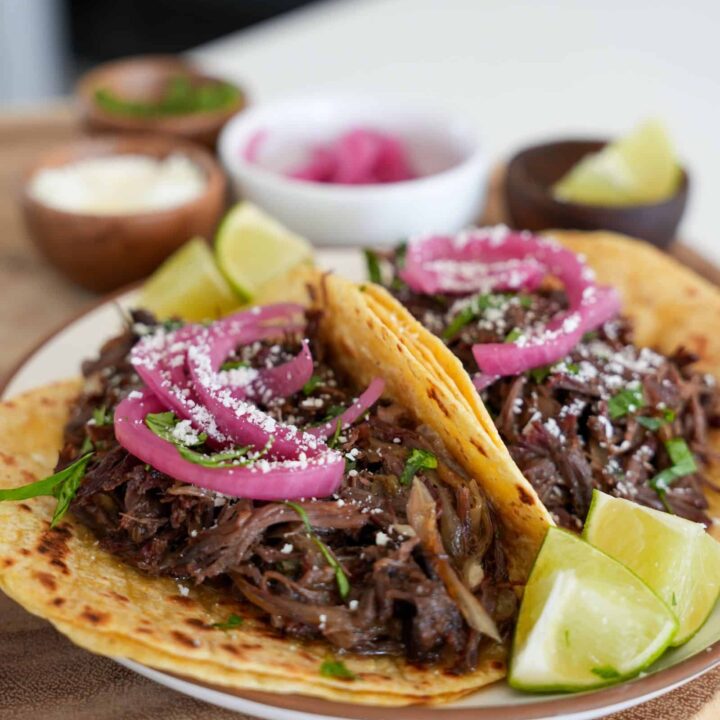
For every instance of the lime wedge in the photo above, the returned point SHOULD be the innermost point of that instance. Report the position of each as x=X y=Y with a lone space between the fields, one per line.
x=674 y=556
x=585 y=620
x=189 y=285
x=252 y=249
x=638 y=169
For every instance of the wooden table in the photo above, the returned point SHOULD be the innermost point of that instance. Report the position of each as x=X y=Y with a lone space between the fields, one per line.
x=42 y=675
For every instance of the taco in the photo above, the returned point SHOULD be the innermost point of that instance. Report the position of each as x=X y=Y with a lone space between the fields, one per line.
x=287 y=500
x=593 y=354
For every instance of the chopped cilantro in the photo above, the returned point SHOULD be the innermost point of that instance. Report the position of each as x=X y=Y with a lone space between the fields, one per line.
x=477 y=305
x=513 y=335
x=62 y=485
x=588 y=336
x=572 y=368
x=102 y=416
x=333 y=442
x=173 y=324
x=309 y=387
x=233 y=621
x=180 y=96
x=340 y=577
x=234 y=457
x=417 y=460
x=651 y=423
x=373 y=266
x=654 y=423
x=540 y=374
x=626 y=401
x=683 y=463
x=87 y=446
x=333 y=411
x=606 y=672
x=525 y=301
x=336 y=669
x=162 y=424
x=234 y=364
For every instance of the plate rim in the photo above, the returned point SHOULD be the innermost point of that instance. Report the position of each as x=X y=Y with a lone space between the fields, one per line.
x=613 y=698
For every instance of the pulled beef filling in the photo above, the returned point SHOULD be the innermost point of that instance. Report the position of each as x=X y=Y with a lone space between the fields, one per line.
x=398 y=603
x=561 y=423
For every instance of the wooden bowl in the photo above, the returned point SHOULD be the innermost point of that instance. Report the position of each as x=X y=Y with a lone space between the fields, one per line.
x=145 y=78
x=531 y=206
x=103 y=252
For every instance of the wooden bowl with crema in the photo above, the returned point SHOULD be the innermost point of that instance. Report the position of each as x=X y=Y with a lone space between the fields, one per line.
x=103 y=250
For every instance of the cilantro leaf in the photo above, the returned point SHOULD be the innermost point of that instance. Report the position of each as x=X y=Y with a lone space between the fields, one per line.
x=102 y=416
x=540 y=374
x=333 y=442
x=417 y=460
x=225 y=458
x=513 y=335
x=651 y=423
x=476 y=307
x=683 y=463
x=233 y=621
x=340 y=577
x=234 y=364
x=62 y=485
x=626 y=401
x=311 y=384
x=373 y=266
x=336 y=669
x=655 y=423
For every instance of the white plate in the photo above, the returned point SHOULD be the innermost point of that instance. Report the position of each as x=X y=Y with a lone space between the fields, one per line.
x=60 y=357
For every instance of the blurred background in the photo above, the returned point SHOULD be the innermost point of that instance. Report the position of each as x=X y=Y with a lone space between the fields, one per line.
x=46 y=44
x=522 y=70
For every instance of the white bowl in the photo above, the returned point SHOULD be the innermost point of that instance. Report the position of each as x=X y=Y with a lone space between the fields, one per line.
x=443 y=149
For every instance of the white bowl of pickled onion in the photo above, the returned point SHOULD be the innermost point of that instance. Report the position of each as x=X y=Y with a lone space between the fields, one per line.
x=260 y=146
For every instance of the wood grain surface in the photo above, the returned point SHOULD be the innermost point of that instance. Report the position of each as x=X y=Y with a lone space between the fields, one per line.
x=42 y=675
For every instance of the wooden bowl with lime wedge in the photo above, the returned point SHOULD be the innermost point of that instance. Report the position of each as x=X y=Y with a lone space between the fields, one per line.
x=531 y=204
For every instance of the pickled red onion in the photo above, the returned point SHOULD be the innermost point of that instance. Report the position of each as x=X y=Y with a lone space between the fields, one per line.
x=264 y=480
x=495 y=259
x=597 y=305
x=237 y=418
x=361 y=156
x=160 y=359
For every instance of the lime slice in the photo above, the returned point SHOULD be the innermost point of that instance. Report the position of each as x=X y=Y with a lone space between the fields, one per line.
x=674 y=556
x=638 y=169
x=252 y=249
x=585 y=620
x=189 y=285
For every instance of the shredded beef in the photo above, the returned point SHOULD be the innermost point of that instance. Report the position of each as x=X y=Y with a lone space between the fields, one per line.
x=263 y=552
x=556 y=421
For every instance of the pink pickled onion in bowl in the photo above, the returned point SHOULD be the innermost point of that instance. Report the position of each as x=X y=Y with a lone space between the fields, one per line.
x=361 y=156
x=264 y=480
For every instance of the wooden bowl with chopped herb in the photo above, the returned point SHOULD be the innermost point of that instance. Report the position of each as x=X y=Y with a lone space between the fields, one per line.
x=160 y=94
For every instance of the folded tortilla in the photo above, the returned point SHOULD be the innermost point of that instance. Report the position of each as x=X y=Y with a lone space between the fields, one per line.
x=110 y=608
x=670 y=306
